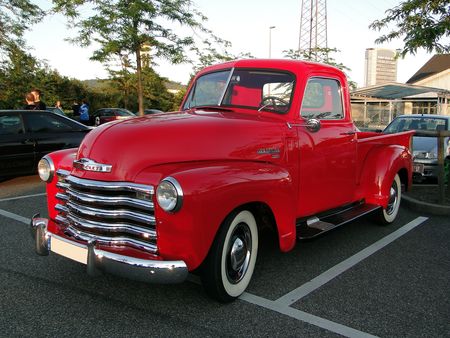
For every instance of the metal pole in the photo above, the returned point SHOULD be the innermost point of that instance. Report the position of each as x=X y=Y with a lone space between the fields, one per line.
x=270 y=41
x=441 y=171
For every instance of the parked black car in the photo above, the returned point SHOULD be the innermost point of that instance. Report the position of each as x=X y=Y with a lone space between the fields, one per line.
x=27 y=135
x=424 y=149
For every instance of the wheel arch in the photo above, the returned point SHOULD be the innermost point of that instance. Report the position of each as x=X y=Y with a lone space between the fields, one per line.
x=379 y=171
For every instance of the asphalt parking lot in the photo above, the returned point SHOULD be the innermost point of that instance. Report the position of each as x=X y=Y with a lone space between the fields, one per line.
x=359 y=280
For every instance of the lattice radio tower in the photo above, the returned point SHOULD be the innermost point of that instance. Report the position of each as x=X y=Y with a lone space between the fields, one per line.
x=313 y=27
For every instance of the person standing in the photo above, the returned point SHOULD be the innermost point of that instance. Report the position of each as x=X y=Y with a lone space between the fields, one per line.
x=29 y=99
x=40 y=105
x=76 y=109
x=84 y=112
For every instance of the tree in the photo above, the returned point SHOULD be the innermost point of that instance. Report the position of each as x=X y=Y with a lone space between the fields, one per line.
x=20 y=72
x=421 y=24
x=16 y=16
x=124 y=28
x=319 y=54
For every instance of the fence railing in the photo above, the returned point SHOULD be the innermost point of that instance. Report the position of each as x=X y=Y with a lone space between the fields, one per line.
x=441 y=136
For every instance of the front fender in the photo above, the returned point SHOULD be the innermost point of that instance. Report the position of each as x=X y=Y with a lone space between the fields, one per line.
x=379 y=170
x=210 y=194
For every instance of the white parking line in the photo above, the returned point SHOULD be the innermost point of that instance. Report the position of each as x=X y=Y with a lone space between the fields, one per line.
x=14 y=216
x=303 y=316
x=20 y=197
x=302 y=291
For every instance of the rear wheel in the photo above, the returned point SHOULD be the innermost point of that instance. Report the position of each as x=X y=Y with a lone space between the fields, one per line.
x=389 y=214
x=228 y=269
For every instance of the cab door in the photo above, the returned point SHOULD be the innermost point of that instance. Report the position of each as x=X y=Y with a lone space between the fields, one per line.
x=327 y=159
x=17 y=148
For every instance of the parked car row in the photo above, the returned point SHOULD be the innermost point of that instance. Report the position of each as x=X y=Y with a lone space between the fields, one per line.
x=26 y=136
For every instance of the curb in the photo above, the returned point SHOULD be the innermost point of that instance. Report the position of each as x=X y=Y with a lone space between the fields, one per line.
x=430 y=208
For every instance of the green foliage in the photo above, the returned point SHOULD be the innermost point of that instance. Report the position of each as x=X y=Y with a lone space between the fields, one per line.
x=122 y=86
x=16 y=16
x=319 y=55
x=155 y=93
x=20 y=72
x=178 y=98
x=420 y=23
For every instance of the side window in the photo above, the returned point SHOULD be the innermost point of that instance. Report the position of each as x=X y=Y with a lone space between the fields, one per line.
x=10 y=125
x=322 y=100
x=45 y=123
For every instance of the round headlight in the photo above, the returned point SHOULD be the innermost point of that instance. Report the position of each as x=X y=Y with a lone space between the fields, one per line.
x=169 y=194
x=46 y=169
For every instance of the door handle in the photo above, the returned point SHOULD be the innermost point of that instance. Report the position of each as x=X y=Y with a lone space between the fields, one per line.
x=349 y=133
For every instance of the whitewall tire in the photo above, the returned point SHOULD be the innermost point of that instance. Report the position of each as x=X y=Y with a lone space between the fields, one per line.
x=389 y=214
x=229 y=267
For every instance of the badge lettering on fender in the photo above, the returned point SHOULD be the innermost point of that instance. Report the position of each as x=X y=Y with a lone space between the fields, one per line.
x=275 y=152
x=90 y=165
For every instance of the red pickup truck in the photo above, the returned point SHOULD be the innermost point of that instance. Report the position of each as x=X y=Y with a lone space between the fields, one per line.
x=256 y=143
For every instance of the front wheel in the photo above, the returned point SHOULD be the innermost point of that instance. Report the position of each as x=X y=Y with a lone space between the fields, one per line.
x=229 y=266
x=387 y=215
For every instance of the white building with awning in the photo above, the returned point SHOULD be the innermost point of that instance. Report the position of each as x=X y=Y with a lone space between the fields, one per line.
x=427 y=92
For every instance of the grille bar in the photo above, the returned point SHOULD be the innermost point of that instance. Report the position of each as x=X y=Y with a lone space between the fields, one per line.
x=115 y=228
x=106 y=240
x=109 y=186
x=109 y=214
x=108 y=200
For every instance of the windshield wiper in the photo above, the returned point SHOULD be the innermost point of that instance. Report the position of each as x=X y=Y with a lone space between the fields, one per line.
x=212 y=108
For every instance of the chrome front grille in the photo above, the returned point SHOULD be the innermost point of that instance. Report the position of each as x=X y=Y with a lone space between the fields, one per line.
x=109 y=213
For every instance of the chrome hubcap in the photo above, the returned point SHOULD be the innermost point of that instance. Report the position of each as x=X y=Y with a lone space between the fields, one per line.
x=393 y=199
x=239 y=253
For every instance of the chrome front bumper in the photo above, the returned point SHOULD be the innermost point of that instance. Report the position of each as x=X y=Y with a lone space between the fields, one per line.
x=98 y=261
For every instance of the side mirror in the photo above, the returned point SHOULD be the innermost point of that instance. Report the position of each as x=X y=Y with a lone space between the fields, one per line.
x=313 y=125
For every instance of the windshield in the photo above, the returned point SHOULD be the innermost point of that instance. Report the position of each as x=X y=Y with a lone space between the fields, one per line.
x=416 y=123
x=255 y=89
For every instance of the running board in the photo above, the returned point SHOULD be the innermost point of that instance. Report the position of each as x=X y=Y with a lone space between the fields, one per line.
x=318 y=225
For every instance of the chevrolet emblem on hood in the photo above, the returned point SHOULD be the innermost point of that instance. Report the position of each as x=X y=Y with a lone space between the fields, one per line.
x=89 y=165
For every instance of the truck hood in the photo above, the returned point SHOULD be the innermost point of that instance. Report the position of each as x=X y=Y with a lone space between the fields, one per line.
x=130 y=146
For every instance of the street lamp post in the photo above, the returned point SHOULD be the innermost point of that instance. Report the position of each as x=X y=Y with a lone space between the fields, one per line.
x=270 y=41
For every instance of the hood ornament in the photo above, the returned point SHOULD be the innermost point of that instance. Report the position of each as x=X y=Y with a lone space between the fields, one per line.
x=90 y=165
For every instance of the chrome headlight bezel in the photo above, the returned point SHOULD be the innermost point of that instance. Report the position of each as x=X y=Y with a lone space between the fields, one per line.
x=46 y=169
x=169 y=195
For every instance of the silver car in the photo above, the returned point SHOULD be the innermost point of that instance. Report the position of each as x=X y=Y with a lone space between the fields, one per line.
x=425 y=149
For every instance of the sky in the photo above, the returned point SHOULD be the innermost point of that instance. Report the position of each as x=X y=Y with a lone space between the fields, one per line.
x=245 y=23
